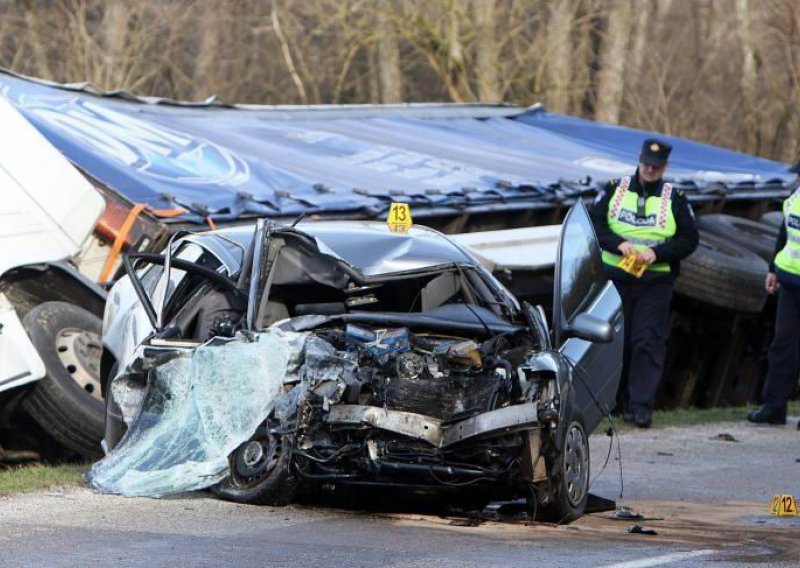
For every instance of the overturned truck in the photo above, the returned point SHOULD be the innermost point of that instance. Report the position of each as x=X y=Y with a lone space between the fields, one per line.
x=498 y=177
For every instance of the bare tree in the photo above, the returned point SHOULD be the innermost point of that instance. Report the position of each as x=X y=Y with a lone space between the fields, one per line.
x=486 y=50
x=286 y=50
x=210 y=22
x=748 y=76
x=390 y=77
x=722 y=71
x=611 y=85
x=558 y=56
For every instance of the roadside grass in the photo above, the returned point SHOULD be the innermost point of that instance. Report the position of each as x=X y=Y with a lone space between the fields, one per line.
x=694 y=416
x=23 y=478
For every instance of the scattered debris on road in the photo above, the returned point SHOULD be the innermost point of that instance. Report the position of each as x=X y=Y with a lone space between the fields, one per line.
x=725 y=437
x=625 y=514
x=639 y=529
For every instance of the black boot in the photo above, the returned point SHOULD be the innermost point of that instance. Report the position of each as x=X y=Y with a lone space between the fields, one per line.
x=643 y=418
x=767 y=415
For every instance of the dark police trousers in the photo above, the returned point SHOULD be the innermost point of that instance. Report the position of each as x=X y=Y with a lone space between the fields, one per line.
x=646 y=309
x=782 y=369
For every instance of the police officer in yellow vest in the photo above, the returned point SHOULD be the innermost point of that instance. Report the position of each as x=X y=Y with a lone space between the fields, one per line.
x=644 y=216
x=784 y=278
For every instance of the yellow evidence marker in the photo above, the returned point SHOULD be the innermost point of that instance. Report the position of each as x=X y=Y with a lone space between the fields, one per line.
x=631 y=264
x=783 y=506
x=399 y=219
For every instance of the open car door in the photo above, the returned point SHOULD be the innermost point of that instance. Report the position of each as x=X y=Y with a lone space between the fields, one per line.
x=587 y=318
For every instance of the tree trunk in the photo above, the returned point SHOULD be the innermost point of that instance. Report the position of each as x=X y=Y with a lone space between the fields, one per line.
x=458 y=85
x=558 y=68
x=486 y=57
x=748 y=77
x=639 y=40
x=288 y=58
x=611 y=87
x=115 y=27
x=390 y=78
x=37 y=42
x=206 y=69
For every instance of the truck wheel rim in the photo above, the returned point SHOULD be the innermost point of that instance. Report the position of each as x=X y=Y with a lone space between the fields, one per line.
x=79 y=351
x=576 y=469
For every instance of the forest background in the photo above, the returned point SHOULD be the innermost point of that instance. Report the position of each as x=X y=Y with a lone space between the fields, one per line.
x=725 y=72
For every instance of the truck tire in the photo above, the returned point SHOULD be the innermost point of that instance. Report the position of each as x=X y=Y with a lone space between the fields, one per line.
x=723 y=274
x=772 y=218
x=757 y=237
x=67 y=402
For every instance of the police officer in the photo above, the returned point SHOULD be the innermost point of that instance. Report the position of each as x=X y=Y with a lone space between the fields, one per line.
x=784 y=278
x=644 y=216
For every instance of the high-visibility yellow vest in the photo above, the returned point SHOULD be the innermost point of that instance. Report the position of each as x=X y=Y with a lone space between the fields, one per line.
x=653 y=229
x=788 y=259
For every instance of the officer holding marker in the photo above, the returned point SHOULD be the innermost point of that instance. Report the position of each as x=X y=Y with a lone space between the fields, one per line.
x=783 y=278
x=642 y=218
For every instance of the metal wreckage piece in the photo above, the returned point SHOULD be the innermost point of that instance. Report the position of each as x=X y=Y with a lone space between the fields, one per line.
x=432 y=430
x=188 y=410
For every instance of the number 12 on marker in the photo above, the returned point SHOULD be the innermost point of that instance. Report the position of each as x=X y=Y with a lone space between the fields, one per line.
x=783 y=506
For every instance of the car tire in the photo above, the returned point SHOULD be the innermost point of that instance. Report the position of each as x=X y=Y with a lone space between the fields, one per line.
x=260 y=470
x=67 y=402
x=569 y=484
x=773 y=219
x=723 y=274
x=756 y=237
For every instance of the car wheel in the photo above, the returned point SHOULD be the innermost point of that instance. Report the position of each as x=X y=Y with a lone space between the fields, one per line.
x=569 y=483
x=756 y=237
x=723 y=274
x=260 y=472
x=67 y=402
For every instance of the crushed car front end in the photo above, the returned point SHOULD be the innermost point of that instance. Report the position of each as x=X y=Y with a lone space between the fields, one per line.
x=406 y=364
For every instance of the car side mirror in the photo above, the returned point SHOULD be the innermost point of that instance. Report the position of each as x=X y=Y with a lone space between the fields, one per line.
x=591 y=328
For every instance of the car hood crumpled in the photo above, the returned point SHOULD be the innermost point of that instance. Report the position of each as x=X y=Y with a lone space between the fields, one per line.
x=199 y=407
x=374 y=250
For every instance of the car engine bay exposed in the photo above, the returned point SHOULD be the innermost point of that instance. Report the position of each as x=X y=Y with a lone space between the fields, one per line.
x=401 y=395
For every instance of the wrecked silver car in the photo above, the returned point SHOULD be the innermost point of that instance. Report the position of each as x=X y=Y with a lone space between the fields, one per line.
x=341 y=353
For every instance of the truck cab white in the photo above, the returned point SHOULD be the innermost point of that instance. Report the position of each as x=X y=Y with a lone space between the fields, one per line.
x=49 y=324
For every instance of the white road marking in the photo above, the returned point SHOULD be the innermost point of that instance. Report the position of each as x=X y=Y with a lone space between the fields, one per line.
x=660 y=560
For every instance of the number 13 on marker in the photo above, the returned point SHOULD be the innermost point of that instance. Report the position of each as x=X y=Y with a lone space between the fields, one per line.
x=399 y=217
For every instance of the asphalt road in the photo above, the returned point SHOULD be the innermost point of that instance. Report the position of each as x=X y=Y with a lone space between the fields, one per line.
x=709 y=497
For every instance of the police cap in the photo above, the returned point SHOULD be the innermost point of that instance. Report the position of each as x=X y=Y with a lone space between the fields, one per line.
x=655 y=152
x=795 y=169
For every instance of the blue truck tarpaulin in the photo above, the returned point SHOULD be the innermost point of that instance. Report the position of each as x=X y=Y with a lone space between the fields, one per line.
x=235 y=161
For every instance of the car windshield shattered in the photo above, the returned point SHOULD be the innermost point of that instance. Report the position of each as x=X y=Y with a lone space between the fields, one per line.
x=345 y=354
